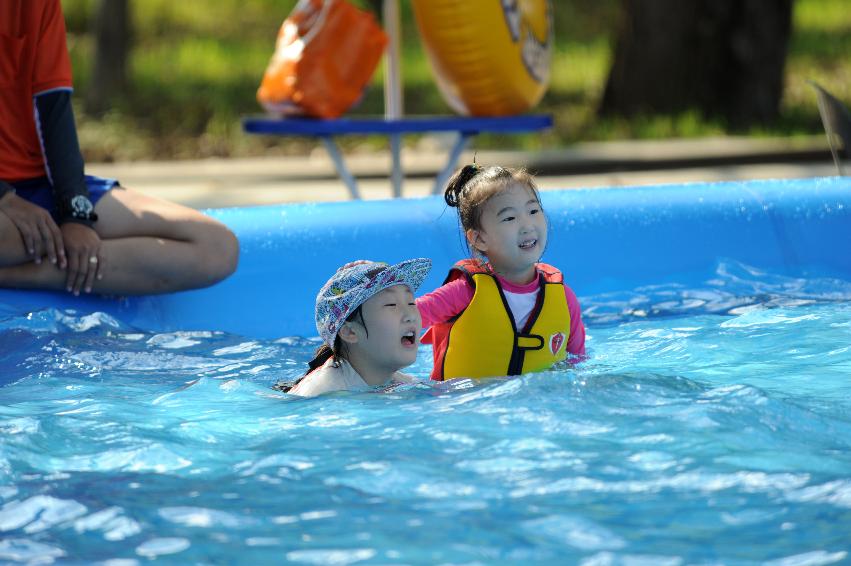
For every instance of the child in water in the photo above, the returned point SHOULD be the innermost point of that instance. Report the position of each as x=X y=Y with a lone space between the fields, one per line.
x=503 y=312
x=370 y=325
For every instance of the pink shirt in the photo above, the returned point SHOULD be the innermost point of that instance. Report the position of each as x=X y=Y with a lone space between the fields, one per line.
x=449 y=300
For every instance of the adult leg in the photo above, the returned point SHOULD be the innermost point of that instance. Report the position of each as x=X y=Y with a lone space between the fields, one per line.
x=147 y=246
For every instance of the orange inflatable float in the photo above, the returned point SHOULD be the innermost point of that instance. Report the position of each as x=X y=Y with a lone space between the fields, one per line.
x=326 y=52
x=489 y=57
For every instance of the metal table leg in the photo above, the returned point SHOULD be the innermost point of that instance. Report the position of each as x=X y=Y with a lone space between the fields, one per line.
x=396 y=174
x=340 y=164
x=451 y=162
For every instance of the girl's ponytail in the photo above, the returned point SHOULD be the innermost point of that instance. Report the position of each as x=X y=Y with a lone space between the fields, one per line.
x=322 y=355
x=457 y=183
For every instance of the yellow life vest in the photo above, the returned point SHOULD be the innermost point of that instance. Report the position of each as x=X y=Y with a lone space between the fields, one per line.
x=484 y=342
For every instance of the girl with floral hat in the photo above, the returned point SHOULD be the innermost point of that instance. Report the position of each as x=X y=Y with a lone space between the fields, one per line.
x=370 y=325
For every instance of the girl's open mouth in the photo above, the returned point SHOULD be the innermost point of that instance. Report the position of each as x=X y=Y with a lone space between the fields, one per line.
x=528 y=244
x=409 y=338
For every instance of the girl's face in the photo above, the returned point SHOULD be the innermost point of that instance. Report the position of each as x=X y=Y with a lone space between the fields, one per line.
x=513 y=233
x=392 y=334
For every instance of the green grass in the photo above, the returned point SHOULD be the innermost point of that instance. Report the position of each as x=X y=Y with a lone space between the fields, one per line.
x=196 y=65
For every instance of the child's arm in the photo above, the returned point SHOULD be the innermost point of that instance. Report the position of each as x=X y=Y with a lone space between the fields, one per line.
x=576 y=342
x=445 y=302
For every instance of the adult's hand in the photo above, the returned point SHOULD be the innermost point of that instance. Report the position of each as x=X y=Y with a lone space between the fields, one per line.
x=39 y=232
x=85 y=263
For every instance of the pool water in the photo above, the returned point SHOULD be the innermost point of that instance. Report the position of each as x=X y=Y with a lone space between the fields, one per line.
x=708 y=425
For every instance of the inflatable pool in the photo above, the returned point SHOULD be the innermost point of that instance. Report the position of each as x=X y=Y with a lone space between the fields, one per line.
x=605 y=240
x=709 y=423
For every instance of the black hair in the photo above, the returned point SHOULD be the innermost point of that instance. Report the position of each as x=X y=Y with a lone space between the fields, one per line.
x=458 y=183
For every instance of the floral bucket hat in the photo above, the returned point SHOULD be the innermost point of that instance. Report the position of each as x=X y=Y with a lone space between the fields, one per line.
x=357 y=282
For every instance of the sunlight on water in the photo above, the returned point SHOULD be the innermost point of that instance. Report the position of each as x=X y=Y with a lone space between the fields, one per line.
x=707 y=426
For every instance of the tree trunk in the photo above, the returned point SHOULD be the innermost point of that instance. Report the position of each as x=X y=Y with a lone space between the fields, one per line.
x=721 y=57
x=112 y=48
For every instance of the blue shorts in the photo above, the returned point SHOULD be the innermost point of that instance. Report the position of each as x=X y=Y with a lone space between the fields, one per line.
x=40 y=191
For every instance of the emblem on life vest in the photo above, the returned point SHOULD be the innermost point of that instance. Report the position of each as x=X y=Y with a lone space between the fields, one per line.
x=556 y=340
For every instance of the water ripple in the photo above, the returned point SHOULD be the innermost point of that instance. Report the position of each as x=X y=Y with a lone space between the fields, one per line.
x=708 y=425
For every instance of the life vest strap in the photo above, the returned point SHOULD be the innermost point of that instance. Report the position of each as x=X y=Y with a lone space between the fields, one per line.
x=530 y=342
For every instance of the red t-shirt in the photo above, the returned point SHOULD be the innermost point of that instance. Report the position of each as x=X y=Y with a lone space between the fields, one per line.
x=33 y=60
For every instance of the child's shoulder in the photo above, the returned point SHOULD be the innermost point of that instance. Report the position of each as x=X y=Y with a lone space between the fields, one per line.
x=329 y=377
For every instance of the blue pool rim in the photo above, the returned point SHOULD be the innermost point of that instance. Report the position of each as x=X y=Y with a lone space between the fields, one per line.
x=604 y=240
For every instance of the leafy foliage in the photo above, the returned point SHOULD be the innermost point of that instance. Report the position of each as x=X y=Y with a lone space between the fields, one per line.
x=196 y=65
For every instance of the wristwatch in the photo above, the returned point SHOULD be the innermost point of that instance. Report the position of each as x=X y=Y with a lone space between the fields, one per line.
x=81 y=208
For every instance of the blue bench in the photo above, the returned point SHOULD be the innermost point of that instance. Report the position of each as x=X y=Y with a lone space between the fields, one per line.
x=327 y=130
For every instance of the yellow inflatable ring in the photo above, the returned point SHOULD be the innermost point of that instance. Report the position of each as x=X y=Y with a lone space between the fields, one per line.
x=490 y=57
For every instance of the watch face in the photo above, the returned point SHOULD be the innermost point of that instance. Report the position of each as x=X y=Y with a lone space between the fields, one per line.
x=81 y=206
